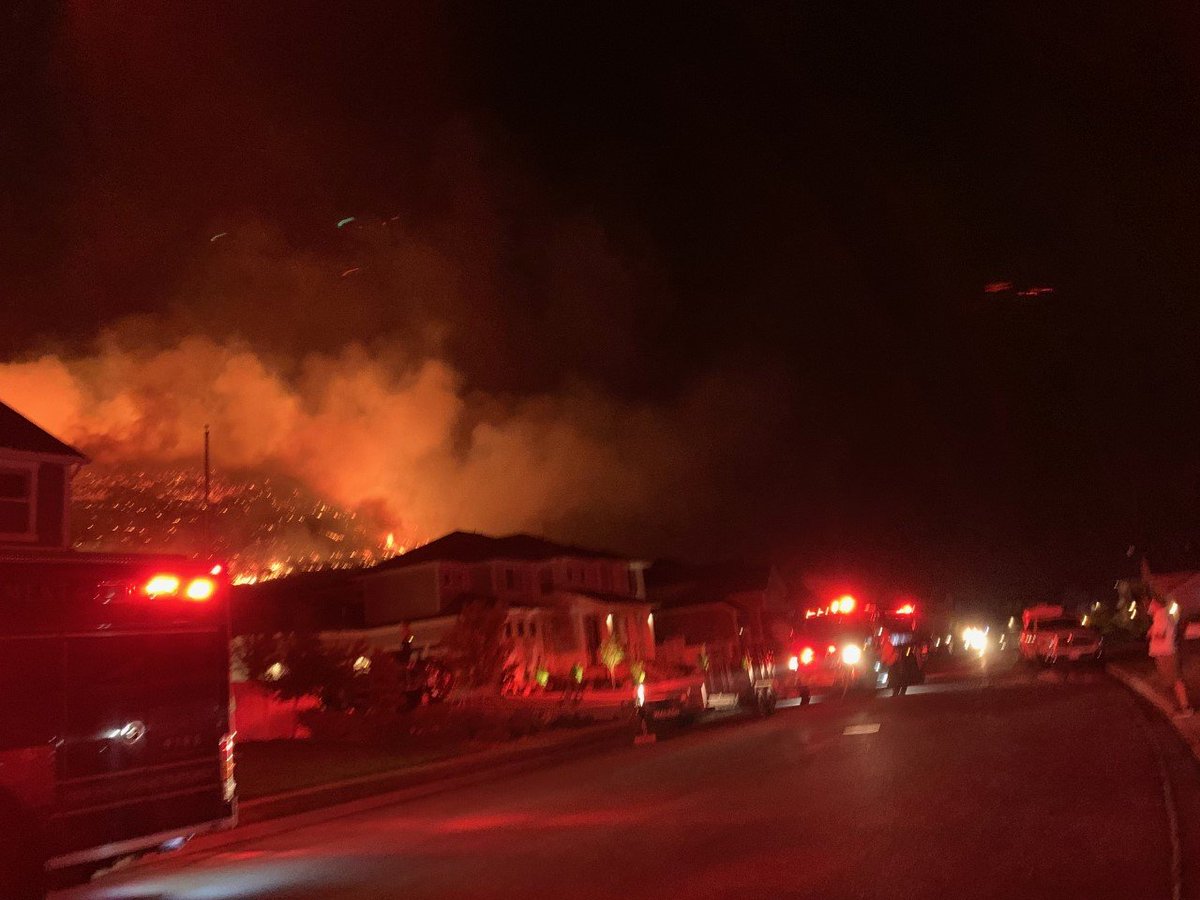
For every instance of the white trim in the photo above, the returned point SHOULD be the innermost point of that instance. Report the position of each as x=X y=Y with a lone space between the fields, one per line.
x=29 y=535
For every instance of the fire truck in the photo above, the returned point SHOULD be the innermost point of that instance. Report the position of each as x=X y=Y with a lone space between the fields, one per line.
x=115 y=728
x=839 y=647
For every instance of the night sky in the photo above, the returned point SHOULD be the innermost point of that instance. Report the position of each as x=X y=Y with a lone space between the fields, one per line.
x=804 y=201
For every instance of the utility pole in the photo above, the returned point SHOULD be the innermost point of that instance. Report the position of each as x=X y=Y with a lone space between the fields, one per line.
x=207 y=486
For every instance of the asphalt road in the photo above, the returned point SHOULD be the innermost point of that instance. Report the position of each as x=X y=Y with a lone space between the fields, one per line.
x=1022 y=788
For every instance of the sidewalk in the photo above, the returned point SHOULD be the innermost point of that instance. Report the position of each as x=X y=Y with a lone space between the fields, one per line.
x=1139 y=676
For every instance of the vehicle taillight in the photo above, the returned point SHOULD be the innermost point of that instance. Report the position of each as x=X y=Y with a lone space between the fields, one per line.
x=228 y=782
x=806 y=656
x=200 y=589
x=162 y=585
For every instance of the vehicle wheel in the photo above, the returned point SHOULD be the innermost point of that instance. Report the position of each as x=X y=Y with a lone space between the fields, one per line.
x=805 y=697
x=22 y=875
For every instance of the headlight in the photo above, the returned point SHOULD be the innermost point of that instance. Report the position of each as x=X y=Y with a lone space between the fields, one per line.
x=975 y=639
x=851 y=655
x=793 y=663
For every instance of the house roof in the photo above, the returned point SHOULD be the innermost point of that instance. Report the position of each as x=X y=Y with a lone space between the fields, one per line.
x=469 y=547
x=18 y=433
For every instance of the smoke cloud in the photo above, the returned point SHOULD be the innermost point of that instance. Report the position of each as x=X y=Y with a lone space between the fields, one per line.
x=403 y=438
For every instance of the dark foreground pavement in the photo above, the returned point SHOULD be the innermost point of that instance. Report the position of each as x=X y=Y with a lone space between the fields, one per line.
x=1026 y=788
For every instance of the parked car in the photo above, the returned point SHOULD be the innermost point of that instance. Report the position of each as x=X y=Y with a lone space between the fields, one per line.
x=1059 y=638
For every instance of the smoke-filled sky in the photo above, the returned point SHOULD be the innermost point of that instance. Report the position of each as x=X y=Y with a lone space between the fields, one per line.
x=670 y=278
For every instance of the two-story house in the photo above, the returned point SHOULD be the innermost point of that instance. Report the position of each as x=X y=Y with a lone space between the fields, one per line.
x=723 y=609
x=563 y=602
x=36 y=469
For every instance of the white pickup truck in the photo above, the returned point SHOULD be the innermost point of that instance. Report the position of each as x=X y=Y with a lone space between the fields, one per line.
x=1048 y=636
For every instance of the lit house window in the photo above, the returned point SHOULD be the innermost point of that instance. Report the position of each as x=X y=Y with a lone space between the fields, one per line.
x=18 y=487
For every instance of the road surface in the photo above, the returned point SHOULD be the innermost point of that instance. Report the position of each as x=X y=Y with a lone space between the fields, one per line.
x=1024 y=788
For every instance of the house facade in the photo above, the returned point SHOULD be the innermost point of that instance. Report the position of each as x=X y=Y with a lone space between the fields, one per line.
x=36 y=469
x=721 y=610
x=562 y=602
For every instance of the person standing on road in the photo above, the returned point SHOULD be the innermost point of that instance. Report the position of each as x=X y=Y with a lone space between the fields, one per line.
x=1164 y=650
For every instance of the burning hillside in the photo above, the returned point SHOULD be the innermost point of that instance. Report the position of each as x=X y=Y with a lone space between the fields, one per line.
x=263 y=525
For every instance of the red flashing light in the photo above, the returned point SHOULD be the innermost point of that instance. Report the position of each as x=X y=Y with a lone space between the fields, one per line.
x=216 y=570
x=200 y=589
x=906 y=610
x=845 y=604
x=162 y=585
x=806 y=656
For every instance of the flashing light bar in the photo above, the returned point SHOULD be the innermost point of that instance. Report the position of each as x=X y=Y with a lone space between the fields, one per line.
x=841 y=606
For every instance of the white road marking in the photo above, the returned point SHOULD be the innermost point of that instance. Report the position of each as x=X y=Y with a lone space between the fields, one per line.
x=861 y=729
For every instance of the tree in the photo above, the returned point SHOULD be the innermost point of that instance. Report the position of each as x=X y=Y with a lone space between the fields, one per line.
x=611 y=654
x=637 y=671
x=312 y=669
x=254 y=654
x=476 y=646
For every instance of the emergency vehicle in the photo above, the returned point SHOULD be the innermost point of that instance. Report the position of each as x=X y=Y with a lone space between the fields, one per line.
x=115 y=728
x=837 y=647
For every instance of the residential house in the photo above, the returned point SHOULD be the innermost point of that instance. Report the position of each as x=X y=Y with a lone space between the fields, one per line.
x=722 y=610
x=563 y=602
x=36 y=469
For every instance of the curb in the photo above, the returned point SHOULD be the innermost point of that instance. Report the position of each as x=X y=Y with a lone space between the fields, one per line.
x=1151 y=695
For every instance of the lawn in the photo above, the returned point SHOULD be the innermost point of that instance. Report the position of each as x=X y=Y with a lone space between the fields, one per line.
x=272 y=767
